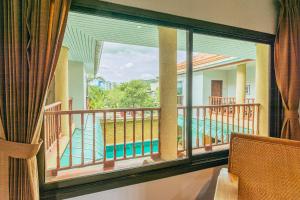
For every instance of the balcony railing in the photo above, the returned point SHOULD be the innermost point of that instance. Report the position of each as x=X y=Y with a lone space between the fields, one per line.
x=108 y=135
x=217 y=100
x=51 y=124
x=212 y=125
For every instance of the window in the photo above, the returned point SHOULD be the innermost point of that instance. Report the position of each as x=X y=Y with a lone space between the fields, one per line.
x=224 y=73
x=115 y=96
x=76 y=110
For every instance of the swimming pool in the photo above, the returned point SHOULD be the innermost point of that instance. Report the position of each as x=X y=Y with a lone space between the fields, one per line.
x=99 y=154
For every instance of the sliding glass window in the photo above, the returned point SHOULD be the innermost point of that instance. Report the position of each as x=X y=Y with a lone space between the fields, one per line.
x=129 y=95
x=118 y=99
x=230 y=91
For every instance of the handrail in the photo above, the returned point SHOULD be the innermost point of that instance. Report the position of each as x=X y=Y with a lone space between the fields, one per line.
x=214 y=124
x=47 y=107
x=52 y=124
x=100 y=110
x=219 y=100
x=110 y=131
x=225 y=105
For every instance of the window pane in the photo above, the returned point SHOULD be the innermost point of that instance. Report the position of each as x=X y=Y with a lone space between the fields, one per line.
x=113 y=102
x=230 y=91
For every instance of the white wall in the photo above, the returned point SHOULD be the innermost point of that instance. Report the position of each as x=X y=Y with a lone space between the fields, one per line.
x=231 y=82
x=208 y=76
x=250 y=79
x=259 y=15
x=196 y=185
x=77 y=88
x=202 y=83
x=198 y=88
x=77 y=84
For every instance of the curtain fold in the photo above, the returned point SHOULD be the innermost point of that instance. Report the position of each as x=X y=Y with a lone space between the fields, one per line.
x=287 y=65
x=31 y=34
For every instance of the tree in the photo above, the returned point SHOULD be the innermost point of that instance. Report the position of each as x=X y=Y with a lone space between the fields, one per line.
x=137 y=93
x=132 y=94
x=97 y=97
x=114 y=98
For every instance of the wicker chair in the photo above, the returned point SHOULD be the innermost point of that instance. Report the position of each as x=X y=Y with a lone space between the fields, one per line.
x=260 y=168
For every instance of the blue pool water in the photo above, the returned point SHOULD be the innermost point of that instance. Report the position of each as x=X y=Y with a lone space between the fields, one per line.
x=216 y=130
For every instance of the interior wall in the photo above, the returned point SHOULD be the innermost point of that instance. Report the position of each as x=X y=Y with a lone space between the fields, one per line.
x=191 y=186
x=255 y=14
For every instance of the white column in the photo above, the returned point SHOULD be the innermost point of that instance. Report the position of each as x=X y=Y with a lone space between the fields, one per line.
x=62 y=86
x=168 y=92
x=240 y=83
x=262 y=85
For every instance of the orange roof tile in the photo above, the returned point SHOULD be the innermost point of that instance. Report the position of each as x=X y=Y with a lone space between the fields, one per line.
x=202 y=59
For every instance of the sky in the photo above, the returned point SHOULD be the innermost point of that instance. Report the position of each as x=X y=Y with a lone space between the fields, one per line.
x=121 y=62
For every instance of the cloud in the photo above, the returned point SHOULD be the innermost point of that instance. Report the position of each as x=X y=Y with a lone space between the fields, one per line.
x=129 y=65
x=122 y=62
x=118 y=74
x=147 y=76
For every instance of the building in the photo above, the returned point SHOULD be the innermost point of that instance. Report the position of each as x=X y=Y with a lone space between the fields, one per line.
x=217 y=76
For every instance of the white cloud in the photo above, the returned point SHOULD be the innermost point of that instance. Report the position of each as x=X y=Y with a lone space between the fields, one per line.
x=129 y=65
x=147 y=76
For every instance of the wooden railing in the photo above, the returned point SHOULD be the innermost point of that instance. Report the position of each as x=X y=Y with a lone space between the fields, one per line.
x=121 y=134
x=52 y=125
x=212 y=125
x=216 y=100
x=135 y=141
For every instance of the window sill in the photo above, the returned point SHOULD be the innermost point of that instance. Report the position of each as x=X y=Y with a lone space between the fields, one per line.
x=91 y=184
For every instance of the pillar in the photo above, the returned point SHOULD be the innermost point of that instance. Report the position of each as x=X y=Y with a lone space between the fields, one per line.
x=62 y=87
x=168 y=92
x=240 y=83
x=262 y=85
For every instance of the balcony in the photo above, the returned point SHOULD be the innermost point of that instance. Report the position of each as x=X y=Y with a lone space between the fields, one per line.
x=112 y=138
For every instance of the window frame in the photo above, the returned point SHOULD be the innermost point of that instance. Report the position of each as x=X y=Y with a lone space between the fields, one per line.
x=100 y=182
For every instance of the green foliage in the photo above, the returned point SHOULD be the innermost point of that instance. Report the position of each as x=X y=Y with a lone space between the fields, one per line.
x=114 y=98
x=133 y=94
x=97 y=97
x=137 y=93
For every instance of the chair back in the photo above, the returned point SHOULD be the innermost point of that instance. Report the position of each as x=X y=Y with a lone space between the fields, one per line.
x=268 y=168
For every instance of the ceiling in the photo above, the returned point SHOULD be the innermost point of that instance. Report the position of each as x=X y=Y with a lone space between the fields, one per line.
x=85 y=35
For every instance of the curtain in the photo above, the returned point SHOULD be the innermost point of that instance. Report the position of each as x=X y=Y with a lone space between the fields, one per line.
x=287 y=65
x=31 y=34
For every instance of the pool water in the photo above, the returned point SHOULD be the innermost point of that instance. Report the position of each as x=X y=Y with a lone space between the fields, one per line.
x=216 y=129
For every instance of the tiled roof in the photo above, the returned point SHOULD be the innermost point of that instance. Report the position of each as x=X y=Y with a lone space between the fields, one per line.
x=212 y=60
